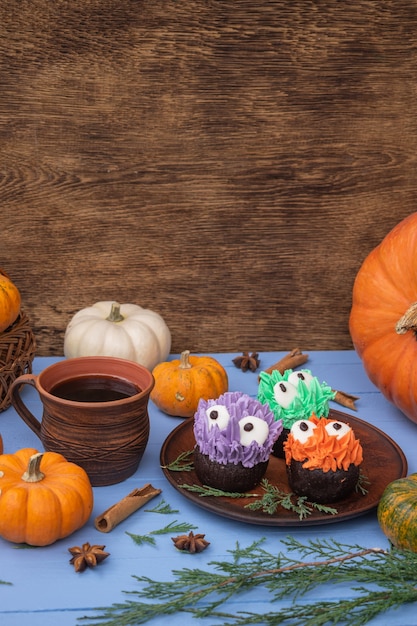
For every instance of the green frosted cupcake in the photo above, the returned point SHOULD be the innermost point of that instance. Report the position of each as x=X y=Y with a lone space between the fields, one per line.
x=292 y=396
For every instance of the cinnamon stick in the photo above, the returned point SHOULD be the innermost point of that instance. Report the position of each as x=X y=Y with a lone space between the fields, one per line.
x=345 y=399
x=293 y=359
x=125 y=507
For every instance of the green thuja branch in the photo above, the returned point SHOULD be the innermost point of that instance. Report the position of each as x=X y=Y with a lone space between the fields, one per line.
x=273 y=498
x=361 y=484
x=391 y=575
x=183 y=462
x=205 y=491
x=141 y=539
x=162 y=507
x=172 y=527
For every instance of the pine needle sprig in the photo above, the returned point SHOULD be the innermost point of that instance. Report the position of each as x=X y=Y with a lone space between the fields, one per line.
x=353 y=612
x=361 y=484
x=274 y=497
x=175 y=527
x=172 y=527
x=205 y=491
x=140 y=540
x=316 y=564
x=183 y=462
x=162 y=507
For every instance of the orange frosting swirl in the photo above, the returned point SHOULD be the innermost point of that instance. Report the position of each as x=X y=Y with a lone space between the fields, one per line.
x=323 y=451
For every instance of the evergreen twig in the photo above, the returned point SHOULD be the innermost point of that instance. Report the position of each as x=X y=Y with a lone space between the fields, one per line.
x=162 y=507
x=386 y=579
x=172 y=527
x=274 y=497
x=205 y=491
x=183 y=462
x=361 y=484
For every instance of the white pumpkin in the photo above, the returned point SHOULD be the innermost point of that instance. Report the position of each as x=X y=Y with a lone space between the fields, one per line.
x=127 y=331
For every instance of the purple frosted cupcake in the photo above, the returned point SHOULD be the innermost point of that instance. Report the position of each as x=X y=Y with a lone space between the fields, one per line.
x=234 y=437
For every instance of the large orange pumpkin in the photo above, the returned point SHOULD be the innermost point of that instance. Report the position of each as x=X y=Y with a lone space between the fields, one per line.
x=383 y=318
x=43 y=497
x=179 y=384
x=9 y=302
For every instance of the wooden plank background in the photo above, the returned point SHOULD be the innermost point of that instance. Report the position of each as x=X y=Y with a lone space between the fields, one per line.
x=227 y=164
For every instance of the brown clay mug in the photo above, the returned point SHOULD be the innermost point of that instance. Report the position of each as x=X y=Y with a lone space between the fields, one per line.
x=95 y=413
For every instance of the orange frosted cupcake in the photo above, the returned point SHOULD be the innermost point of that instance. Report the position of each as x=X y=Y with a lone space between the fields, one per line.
x=323 y=458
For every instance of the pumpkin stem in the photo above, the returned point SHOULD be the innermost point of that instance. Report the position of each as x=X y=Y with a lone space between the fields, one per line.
x=115 y=315
x=185 y=361
x=408 y=320
x=33 y=474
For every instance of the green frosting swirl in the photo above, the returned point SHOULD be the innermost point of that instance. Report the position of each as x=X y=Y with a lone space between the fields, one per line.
x=311 y=398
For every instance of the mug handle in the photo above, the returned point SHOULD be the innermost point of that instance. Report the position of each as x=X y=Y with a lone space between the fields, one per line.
x=19 y=405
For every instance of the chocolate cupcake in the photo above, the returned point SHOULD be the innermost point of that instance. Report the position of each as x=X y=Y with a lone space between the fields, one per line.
x=234 y=437
x=292 y=396
x=323 y=459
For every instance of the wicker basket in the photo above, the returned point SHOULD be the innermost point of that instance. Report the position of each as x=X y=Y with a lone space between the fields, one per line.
x=17 y=350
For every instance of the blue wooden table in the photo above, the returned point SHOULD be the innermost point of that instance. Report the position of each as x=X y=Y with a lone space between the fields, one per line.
x=45 y=589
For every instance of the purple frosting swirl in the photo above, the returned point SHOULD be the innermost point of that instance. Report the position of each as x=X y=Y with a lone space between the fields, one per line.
x=223 y=444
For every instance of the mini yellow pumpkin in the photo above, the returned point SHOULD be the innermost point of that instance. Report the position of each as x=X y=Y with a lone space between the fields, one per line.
x=179 y=384
x=43 y=497
x=127 y=331
x=10 y=302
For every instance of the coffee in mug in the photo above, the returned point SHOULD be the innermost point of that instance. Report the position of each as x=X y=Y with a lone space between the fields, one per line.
x=95 y=389
x=95 y=413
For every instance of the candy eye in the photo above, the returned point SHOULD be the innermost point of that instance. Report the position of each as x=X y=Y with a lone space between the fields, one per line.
x=284 y=393
x=295 y=377
x=253 y=429
x=337 y=429
x=302 y=430
x=218 y=414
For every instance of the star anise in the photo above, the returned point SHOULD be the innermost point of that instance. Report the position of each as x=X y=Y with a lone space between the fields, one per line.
x=87 y=555
x=247 y=361
x=190 y=543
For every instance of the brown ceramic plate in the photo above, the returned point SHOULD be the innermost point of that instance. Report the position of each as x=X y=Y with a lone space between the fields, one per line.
x=383 y=462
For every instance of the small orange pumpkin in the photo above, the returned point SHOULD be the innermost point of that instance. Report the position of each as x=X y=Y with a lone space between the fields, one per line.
x=43 y=497
x=9 y=302
x=181 y=383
